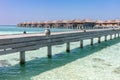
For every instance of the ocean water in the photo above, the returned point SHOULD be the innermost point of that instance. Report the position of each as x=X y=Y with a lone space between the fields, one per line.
x=97 y=62
x=18 y=30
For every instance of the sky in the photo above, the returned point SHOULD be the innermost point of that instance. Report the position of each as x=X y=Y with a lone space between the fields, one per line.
x=13 y=12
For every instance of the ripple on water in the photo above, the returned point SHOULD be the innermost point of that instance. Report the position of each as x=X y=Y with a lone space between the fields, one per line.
x=100 y=63
x=4 y=63
x=98 y=60
x=107 y=64
x=117 y=70
x=16 y=59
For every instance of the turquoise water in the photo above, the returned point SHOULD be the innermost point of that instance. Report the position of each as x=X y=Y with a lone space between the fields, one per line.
x=18 y=30
x=97 y=62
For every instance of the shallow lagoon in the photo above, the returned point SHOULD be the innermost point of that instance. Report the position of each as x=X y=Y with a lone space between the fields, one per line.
x=97 y=62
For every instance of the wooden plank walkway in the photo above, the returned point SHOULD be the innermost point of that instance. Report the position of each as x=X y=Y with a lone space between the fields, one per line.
x=25 y=42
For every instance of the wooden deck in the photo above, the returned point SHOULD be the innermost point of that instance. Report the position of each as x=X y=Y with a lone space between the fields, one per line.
x=25 y=42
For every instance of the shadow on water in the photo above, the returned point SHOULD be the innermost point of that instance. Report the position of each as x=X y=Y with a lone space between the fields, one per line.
x=40 y=65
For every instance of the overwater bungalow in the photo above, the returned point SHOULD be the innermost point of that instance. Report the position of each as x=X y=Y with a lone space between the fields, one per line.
x=20 y=24
x=61 y=23
x=38 y=24
x=116 y=22
x=73 y=24
x=88 y=24
x=98 y=24
x=110 y=23
x=77 y=24
x=107 y=23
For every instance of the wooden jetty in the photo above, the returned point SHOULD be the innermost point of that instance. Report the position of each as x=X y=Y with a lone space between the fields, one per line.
x=26 y=42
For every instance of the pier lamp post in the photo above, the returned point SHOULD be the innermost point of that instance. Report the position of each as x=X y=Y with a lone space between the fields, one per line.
x=49 y=47
x=84 y=30
x=24 y=32
x=47 y=32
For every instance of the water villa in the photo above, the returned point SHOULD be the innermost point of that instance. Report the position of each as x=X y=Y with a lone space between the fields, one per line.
x=73 y=24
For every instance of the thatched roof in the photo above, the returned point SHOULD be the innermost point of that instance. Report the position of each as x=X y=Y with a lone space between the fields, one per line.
x=111 y=21
x=20 y=23
x=76 y=21
x=98 y=21
x=23 y=23
x=108 y=21
x=87 y=20
x=116 y=21
x=57 y=22
x=42 y=22
x=45 y=22
x=62 y=21
x=54 y=21
x=39 y=23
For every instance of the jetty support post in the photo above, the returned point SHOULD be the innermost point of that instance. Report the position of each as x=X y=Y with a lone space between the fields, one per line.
x=68 y=47
x=115 y=35
x=22 y=57
x=81 y=43
x=91 y=41
x=49 y=51
x=105 y=37
x=110 y=36
x=24 y=32
x=99 y=39
x=22 y=54
x=49 y=47
x=118 y=35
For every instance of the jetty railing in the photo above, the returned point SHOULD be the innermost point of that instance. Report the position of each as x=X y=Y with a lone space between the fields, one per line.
x=26 y=42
